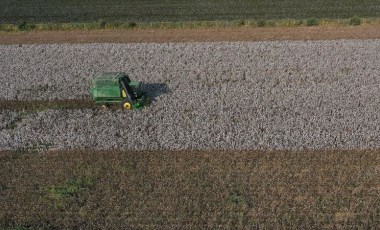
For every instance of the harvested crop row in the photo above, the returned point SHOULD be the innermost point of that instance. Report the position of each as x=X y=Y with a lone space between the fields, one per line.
x=258 y=95
x=43 y=105
x=198 y=190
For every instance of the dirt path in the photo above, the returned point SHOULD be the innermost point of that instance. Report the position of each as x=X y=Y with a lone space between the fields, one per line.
x=42 y=105
x=189 y=35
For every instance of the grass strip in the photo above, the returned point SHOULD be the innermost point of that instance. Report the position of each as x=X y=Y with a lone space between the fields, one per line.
x=102 y=24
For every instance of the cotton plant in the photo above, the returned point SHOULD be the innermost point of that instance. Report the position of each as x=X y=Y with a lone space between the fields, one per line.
x=223 y=95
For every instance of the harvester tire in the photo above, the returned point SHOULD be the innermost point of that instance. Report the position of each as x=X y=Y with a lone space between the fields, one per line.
x=126 y=104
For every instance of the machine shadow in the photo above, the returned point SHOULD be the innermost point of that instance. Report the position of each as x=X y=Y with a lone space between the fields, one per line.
x=154 y=90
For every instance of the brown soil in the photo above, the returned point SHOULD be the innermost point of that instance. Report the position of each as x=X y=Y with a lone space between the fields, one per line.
x=189 y=35
x=42 y=105
x=190 y=190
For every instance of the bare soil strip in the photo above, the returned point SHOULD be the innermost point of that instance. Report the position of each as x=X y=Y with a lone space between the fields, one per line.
x=43 y=105
x=192 y=35
x=189 y=189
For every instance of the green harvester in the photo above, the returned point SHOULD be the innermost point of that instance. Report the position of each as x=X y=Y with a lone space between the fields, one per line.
x=117 y=88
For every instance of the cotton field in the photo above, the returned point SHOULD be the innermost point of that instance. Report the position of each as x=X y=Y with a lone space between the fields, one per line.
x=241 y=95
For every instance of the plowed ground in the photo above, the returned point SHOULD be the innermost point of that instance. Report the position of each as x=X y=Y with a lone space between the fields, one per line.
x=171 y=190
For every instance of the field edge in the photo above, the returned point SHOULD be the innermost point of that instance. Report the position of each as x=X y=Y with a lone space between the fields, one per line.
x=191 y=35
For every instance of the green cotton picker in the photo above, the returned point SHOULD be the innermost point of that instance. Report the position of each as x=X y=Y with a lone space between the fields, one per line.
x=117 y=88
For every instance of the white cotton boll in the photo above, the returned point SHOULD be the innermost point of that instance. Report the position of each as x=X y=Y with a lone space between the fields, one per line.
x=223 y=95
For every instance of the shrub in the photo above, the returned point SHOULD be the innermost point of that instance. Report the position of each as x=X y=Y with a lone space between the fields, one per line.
x=261 y=23
x=241 y=23
x=355 y=21
x=21 y=26
x=312 y=22
x=132 y=24
x=101 y=23
x=25 y=26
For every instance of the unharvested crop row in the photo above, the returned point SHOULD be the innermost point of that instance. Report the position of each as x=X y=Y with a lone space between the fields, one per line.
x=181 y=10
x=248 y=95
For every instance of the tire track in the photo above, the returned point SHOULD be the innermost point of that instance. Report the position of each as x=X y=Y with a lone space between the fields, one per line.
x=36 y=105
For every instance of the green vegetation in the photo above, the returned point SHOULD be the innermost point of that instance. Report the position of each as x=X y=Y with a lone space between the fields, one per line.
x=117 y=14
x=150 y=190
x=102 y=24
x=312 y=22
x=70 y=188
x=25 y=26
x=355 y=21
x=60 y=11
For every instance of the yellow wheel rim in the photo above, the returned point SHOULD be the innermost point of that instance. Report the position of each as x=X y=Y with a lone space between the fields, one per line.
x=127 y=105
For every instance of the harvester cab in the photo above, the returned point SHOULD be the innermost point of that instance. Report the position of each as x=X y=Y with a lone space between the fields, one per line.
x=117 y=88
